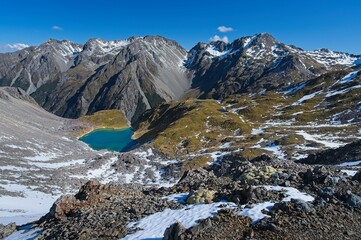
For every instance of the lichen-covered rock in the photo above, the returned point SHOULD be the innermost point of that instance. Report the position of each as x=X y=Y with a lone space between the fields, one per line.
x=257 y=174
x=6 y=230
x=201 y=196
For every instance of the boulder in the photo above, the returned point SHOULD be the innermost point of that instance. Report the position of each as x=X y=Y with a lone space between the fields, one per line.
x=326 y=193
x=354 y=200
x=174 y=232
x=201 y=196
x=257 y=174
x=357 y=176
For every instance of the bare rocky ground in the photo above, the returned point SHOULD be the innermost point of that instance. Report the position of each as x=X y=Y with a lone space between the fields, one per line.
x=326 y=204
x=41 y=159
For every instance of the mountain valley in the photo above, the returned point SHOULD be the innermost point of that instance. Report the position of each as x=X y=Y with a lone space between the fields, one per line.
x=252 y=139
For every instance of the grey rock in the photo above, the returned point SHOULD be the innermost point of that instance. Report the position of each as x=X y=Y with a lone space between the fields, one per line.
x=174 y=232
x=357 y=176
x=354 y=200
x=303 y=205
x=327 y=193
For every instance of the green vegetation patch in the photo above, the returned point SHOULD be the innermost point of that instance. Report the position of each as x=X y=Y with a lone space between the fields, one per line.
x=179 y=128
x=113 y=119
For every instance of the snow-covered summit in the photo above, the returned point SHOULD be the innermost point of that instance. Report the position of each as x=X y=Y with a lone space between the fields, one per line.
x=63 y=47
x=100 y=46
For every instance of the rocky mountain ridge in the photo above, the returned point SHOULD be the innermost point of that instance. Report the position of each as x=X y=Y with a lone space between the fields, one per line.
x=72 y=80
x=139 y=73
x=257 y=63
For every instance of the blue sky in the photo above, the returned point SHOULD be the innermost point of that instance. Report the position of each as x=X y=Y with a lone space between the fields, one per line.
x=306 y=24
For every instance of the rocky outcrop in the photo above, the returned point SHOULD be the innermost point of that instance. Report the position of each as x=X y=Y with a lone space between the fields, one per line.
x=106 y=210
x=100 y=211
x=348 y=153
x=12 y=93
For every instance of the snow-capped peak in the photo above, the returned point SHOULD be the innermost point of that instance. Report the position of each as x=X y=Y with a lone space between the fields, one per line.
x=215 y=52
x=64 y=47
x=248 y=41
x=100 y=46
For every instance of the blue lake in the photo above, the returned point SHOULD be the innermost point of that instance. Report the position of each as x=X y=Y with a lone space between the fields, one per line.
x=110 y=139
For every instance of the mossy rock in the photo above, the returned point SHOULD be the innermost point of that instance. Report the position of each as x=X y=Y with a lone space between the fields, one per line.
x=195 y=163
x=291 y=139
x=251 y=153
x=201 y=196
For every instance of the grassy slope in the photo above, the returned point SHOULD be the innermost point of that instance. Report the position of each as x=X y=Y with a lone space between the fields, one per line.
x=181 y=129
x=113 y=119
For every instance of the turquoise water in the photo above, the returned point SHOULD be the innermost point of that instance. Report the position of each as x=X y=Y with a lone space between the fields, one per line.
x=111 y=139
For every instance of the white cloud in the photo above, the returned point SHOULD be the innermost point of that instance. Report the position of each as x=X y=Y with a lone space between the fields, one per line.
x=224 y=29
x=16 y=46
x=12 y=47
x=218 y=38
x=57 y=28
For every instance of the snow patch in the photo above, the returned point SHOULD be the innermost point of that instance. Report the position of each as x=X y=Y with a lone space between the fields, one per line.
x=295 y=89
x=346 y=164
x=290 y=192
x=24 y=234
x=333 y=93
x=42 y=157
x=256 y=131
x=153 y=226
x=255 y=212
x=349 y=77
x=349 y=172
x=21 y=210
x=177 y=197
x=306 y=97
x=319 y=139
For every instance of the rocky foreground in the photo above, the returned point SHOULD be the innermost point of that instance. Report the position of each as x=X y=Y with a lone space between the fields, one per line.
x=263 y=198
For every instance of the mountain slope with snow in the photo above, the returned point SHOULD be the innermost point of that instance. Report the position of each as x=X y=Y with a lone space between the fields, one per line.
x=73 y=80
x=139 y=73
x=257 y=63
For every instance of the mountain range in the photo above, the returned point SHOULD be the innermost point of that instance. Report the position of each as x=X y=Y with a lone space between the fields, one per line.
x=137 y=74
x=266 y=136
